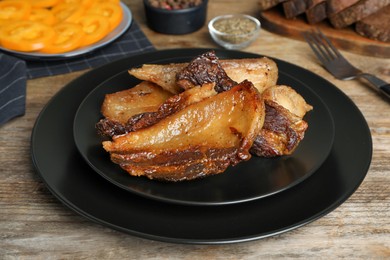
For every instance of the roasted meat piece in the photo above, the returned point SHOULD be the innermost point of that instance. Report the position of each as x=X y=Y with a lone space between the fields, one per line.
x=194 y=141
x=124 y=104
x=118 y=107
x=288 y=98
x=262 y=72
x=284 y=126
x=111 y=127
x=204 y=129
x=204 y=69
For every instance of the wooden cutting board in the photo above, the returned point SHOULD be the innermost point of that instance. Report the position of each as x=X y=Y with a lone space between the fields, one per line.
x=347 y=39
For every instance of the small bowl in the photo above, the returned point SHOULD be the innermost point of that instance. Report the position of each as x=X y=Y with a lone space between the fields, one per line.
x=180 y=21
x=234 y=31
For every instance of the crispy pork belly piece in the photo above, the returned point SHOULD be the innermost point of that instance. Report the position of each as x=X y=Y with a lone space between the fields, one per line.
x=288 y=98
x=203 y=69
x=126 y=103
x=284 y=126
x=111 y=126
x=118 y=107
x=162 y=75
x=201 y=139
x=262 y=72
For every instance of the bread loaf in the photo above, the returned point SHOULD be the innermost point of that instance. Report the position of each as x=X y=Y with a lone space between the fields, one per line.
x=267 y=4
x=376 y=26
x=357 y=12
x=370 y=18
x=316 y=11
x=336 y=6
x=293 y=8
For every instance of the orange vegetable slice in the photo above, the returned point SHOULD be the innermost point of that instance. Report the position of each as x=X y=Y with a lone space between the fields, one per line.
x=26 y=35
x=14 y=10
x=69 y=37
x=95 y=27
x=44 y=3
x=85 y=3
x=110 y=10
x=42 y=15
x=56 y=26
x=68 y=12
x=111 y=1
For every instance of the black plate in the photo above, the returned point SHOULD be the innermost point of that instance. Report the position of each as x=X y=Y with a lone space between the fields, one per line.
x=77 y=185
x=254 y=179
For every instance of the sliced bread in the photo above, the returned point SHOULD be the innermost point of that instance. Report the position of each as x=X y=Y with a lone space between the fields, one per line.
x=357 y=12
x=376 y=26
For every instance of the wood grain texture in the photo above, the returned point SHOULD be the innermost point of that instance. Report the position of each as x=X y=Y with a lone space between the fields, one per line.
x=35 y=225
x=347 y=39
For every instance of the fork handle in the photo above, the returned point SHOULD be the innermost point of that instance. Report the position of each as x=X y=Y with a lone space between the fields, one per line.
x=382 y=85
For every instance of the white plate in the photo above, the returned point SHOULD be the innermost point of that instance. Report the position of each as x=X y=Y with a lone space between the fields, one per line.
x=112 y=36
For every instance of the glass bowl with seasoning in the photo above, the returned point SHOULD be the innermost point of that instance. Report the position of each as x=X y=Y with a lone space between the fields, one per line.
x=234 y=31
x=175 y=16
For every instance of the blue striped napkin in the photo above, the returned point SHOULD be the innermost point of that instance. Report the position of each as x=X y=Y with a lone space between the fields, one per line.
x=12 y=87
x=14 y=71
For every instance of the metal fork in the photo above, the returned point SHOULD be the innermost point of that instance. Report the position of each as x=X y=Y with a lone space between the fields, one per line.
x=337 y=65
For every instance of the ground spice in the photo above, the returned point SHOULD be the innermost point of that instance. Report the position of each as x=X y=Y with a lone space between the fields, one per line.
x=238 y=29
x=174 y=4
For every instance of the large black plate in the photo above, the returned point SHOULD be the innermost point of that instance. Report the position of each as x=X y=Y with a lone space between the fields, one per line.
x=77 y=185
x=254 y=179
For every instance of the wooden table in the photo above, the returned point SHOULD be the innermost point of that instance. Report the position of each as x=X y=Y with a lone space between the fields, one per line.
x=33 y=224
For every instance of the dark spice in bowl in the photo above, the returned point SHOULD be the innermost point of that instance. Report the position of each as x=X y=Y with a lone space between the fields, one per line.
x=174 y=4
x=175 y=16
x=234 y=31
x=235 y=26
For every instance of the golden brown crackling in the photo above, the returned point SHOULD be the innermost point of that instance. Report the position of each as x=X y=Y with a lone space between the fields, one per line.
x=178 y=165
x=215 y=132
x=284 y=127
x=112 y=126
x=288 y=98
x=262 y=72
x=121 y=105
x=204 y=68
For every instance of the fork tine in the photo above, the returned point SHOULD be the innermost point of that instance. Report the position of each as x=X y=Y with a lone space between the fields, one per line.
x=309 y=37
x=325 y=50
x=330 y=44
x=324 y=46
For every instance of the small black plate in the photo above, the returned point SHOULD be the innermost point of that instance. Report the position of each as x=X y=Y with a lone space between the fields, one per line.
x=253 y=179
x=71 y=180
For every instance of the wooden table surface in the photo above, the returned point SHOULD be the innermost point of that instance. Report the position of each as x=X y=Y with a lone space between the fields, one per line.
x=34 y=224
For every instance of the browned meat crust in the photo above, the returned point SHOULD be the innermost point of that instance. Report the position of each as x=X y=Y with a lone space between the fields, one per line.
x=204 y=69
x=118 y=107
x=196 y=162
x=281 y=133
x=194 y=141
x=111 y=127
x=262 y=72
x=284 y=127
x=185 y=139
x=124 y=104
